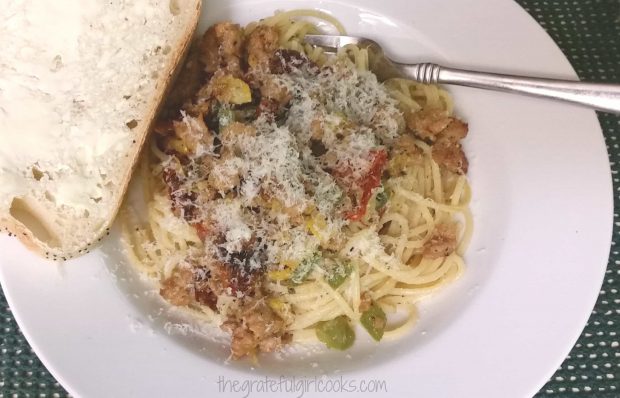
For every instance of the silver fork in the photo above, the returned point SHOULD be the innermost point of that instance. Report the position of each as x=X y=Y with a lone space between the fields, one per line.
x=600 y=96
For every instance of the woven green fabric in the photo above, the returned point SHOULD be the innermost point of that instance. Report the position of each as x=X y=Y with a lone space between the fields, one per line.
x=588 y=31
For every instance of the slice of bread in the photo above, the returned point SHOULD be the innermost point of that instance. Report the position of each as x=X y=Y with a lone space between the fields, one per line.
x=80 y=84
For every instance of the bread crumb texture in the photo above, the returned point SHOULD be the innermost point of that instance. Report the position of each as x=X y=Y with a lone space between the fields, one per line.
x=77 y=80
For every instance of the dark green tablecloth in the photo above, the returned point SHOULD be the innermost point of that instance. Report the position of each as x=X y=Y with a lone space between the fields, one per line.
x=588 y=31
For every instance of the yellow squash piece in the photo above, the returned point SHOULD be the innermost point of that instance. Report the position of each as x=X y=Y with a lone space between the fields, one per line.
x=286 y=271
x=230 y=90
x=318 y=227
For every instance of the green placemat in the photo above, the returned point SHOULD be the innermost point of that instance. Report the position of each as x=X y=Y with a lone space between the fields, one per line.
x=588 y=32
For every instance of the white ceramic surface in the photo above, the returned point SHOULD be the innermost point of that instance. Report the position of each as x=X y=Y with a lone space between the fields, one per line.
x=543 y=215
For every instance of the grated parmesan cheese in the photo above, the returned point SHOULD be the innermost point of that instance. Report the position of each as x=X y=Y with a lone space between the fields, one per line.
x=228 y=218
x=272 y=166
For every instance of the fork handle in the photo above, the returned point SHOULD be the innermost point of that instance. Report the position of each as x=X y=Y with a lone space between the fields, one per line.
x=600 y=96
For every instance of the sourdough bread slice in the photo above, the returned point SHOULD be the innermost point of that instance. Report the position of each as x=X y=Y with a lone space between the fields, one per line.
x=80 y=84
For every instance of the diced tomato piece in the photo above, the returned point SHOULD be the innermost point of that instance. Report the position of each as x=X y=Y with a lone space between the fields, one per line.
x=369 y=182
x=202 y=231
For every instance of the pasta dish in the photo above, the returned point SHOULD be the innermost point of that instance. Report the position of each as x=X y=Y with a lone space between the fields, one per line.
x=291 y=196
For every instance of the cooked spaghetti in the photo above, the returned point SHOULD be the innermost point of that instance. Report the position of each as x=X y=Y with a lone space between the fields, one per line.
x=291 y=195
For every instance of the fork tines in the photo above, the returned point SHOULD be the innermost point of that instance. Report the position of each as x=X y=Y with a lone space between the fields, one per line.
x=331 y=43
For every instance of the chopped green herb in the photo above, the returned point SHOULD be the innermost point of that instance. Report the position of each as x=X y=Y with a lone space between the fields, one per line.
x=336 y=333
x=225 y=117
x=381 y=198
x=304 y=268
x=338 y=273
x=374 y=321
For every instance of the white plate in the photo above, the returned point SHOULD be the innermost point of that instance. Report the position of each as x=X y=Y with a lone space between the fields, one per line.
x=543 y=216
